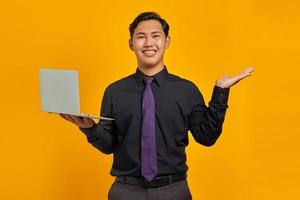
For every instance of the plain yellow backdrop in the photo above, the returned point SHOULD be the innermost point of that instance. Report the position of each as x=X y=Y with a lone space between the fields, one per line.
x=44 y=157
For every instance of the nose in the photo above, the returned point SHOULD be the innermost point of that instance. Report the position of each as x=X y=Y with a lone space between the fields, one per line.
x=148 y=42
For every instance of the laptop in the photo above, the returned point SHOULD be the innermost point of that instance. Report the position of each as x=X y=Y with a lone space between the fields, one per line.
x=60 y=93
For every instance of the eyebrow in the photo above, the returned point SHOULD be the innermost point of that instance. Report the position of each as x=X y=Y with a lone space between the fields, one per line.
x=154 y=32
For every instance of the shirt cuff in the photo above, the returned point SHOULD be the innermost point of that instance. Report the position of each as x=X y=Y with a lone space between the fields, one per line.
x=220 y=95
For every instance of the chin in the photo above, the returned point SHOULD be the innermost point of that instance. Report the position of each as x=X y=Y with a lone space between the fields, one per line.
x=149 y=64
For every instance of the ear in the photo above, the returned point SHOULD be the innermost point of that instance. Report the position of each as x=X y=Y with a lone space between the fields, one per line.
x=130 y=44
x=168 y=41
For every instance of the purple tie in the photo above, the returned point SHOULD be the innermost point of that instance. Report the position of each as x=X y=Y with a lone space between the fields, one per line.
x=148 y=142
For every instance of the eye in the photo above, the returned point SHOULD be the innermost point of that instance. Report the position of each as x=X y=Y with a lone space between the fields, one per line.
x=156 y=36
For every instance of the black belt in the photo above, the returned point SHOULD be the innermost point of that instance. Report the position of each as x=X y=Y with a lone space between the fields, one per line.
x=156 y=182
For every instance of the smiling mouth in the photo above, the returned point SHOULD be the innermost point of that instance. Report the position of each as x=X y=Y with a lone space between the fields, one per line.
x=149 y=53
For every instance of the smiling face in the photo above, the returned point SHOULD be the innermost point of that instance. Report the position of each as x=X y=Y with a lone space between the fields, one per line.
x=149 y=43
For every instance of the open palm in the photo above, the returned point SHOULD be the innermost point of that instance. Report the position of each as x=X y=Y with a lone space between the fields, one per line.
x=228 y=81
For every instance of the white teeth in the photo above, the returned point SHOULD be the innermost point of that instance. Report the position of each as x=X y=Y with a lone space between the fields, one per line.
x=149 y=52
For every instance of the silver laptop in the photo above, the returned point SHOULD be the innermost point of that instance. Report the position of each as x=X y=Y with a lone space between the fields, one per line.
x=60 y=93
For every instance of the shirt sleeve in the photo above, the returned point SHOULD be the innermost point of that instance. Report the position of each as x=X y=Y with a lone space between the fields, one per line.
x=102 y=134
x=205 y=123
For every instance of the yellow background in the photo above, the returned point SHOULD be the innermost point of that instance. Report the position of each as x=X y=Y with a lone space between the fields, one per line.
x=44 y=157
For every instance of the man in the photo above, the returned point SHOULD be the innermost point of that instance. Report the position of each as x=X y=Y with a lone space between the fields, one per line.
x=153 y=112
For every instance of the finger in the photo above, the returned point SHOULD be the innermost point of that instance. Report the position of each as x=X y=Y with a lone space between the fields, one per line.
x=245 y=73
x=76 y=119
x=248 y=70
x=69 y=118
x=65 y=116
x=86 y=119
x=239 y=77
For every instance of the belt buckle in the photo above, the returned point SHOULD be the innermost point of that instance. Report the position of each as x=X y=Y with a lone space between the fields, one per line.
x=147 y=184
x=156 y=182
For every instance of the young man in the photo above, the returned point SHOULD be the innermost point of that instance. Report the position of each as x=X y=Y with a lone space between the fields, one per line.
x=153 y=112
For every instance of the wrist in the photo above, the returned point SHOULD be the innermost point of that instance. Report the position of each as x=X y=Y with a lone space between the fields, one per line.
x=220 y=86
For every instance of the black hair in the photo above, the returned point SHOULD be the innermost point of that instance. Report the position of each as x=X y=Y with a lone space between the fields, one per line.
x=147 y=16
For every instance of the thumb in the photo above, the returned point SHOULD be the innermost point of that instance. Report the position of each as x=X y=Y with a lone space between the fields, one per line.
x=88 y=120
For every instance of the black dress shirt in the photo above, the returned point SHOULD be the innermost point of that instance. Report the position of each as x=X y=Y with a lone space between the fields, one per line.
x=179 y=108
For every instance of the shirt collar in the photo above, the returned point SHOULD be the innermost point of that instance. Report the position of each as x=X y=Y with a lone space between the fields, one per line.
x=159 y=77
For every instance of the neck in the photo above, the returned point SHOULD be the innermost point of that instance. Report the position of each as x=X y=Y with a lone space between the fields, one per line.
x=151 y=70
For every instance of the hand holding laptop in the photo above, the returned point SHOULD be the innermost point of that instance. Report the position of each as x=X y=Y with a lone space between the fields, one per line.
x=82 y=122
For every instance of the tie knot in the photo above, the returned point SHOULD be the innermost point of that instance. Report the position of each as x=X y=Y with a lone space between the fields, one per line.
x=148 y=80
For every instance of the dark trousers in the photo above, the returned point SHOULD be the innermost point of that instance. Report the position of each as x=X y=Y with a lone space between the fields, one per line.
x=175 y=191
